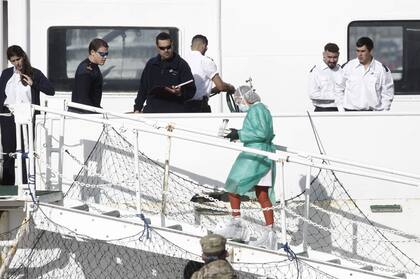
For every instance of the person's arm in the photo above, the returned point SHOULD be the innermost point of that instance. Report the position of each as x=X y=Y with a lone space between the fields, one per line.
x=257 y=126
x=339 y=89
x=82 y=87
x=42 y=83
x=387 y=90
x=221 y=86
x=143 y=90
x=187 y=91
x=314 y=87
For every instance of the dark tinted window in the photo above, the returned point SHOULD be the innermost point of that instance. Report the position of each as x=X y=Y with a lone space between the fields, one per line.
x=129 y=50
x=397 y=45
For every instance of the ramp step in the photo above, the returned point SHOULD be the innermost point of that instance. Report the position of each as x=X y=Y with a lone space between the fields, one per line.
x=400 y=275
x=367 y=267
x=336 y=261
x=177 y=227
x=113 y=213
x=83 y=207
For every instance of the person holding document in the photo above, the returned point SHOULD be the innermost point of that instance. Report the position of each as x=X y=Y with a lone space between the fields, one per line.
x=166 y=82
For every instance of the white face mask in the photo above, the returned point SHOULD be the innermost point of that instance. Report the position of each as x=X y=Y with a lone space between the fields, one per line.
x=243 y=107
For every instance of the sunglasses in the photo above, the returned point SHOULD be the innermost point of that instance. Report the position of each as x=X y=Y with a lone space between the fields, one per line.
x=102 y=54
x=165 y=48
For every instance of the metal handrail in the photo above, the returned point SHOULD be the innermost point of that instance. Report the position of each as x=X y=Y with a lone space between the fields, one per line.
x=289 y=151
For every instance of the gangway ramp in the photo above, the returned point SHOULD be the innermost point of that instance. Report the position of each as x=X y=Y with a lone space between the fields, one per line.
x=83 y=225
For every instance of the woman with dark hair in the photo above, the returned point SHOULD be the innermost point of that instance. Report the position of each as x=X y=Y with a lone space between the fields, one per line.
x=18 y=84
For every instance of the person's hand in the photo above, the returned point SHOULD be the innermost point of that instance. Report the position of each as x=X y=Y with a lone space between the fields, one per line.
x=231 y=89
x=176 y=90
x=233 y=135
x=27 y=79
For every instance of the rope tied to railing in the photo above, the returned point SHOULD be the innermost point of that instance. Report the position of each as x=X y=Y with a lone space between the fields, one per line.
x=291 y=256
x=24 y=155
x=146 y=227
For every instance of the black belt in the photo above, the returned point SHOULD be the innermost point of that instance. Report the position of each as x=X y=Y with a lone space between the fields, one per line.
x=358 y=109
x=204 y=99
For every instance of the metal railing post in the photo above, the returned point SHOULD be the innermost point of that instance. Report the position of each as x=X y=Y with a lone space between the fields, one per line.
x=61 y=149
x=283 y=206
x=31 y=160
x=307 y=200
x=48 y=147
x=166 y=178
x=18 y=160
x=137 y=166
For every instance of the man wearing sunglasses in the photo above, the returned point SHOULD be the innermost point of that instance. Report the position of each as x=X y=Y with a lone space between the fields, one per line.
x=87 y=89
x=166 y=82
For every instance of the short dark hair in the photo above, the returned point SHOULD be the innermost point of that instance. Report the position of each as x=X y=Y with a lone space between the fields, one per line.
x=365 y=41
x=331 y=47
x=199 y=38
x=96 y=43
x=162 y=36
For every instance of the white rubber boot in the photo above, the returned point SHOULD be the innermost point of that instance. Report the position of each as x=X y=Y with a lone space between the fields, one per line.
x=235 y=229
x=268 y=240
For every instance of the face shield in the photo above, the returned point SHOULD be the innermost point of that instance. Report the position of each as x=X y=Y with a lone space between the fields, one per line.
x=246 y=93
x=240 y=92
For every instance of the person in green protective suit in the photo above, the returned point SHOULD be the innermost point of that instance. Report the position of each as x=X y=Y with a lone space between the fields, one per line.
x=252 y=174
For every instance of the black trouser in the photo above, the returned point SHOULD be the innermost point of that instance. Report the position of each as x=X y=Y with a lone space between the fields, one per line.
x=325 y=109
x=8 y=142
x=198 y=105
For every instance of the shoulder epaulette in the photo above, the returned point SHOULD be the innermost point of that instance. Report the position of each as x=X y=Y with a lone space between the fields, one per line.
x=312 y=68
x=342 y=66
x=89 y=66
x=386 y=68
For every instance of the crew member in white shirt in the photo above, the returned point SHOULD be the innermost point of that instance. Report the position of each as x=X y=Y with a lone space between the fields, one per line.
x=205 y=74
x=323 y=78
x=367 y=84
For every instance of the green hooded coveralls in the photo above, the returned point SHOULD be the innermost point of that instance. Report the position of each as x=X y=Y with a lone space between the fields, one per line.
x=248 y=169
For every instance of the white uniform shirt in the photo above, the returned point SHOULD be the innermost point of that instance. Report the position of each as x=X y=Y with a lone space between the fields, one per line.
x=16 y=92
x=203 y=69
x=365 y=89
x=321 y=86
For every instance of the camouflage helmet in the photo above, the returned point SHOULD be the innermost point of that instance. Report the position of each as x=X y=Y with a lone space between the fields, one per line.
x=213 y=244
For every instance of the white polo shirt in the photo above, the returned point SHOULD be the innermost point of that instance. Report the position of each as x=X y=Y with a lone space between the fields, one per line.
x=365 y=89
x=203 y=69
x=321 y=85
x=16 y=92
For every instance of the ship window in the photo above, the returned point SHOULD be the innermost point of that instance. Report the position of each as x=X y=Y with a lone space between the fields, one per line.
x=397 y=45
x=129 y=50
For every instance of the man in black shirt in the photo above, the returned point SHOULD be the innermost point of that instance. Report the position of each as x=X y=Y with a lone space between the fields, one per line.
x=88 y=79
x=161 y=79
